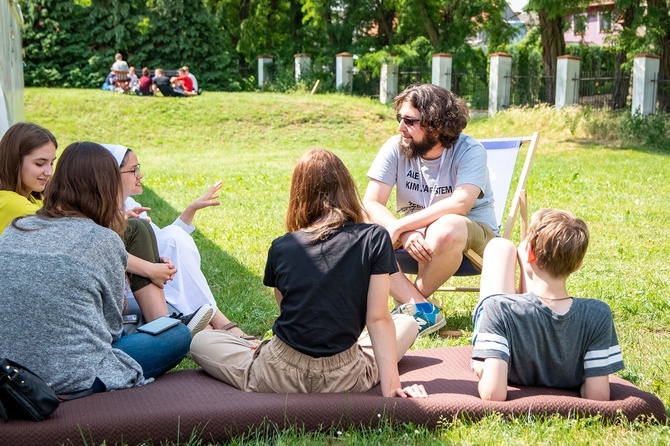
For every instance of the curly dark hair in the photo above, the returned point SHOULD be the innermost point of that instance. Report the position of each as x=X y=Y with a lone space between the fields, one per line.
x=442 y=112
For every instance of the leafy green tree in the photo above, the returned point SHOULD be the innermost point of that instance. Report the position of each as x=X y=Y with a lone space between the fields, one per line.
x=184 y=32
x=112 y=27
x=627 y=14
x=56 y=53
x=657 y=38
x=551 y=15
x=449 y=23
x=257 y=27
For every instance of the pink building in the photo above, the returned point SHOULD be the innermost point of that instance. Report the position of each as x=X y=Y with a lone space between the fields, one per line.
x=593 y=25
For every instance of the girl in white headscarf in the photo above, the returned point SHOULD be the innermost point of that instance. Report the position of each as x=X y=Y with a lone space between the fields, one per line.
x=189 y=289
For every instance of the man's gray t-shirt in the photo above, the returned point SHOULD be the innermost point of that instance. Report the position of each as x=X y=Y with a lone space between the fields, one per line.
x=416 y=178
x=544 y=348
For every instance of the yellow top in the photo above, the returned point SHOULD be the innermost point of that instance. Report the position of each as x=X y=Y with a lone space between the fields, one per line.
x=13 y=205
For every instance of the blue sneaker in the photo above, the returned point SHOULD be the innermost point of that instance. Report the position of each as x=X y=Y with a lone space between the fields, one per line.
x=429 y=321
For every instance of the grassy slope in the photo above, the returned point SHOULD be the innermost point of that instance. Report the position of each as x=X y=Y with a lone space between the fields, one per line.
x=251 y=141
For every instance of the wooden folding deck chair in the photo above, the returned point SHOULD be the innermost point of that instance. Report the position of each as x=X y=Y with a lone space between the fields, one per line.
x=122 y=79
x=501 y=159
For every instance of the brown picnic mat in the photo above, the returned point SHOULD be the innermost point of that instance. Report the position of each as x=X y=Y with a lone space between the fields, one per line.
x=190 y=403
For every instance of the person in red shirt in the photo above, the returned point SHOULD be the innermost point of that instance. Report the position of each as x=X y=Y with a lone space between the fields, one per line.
x=183 y=82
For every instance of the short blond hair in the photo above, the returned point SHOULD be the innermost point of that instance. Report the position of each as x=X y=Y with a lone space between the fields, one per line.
x=559 y=241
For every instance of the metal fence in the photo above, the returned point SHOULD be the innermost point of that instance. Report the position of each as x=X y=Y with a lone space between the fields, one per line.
x=596 y=89
x=473 y=87
x=661 y=88
x=528 y=90
x=365 y=84
x=411 y=75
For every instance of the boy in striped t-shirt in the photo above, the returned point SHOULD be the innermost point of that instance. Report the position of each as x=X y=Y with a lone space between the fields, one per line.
x=537 y=334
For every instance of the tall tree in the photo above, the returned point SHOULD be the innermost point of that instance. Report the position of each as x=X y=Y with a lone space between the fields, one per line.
x=184 y=32
x=551 y=15
x=56 y=53
x=657 y=24
x=449 y=23
x=625 y=15
x=256 y=27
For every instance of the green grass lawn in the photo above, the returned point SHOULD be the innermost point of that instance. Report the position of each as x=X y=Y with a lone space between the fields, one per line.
x=251 y=141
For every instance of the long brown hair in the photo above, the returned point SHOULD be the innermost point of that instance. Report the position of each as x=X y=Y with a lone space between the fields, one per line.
x=19 y=141
x=323 y=195
x=86 y=183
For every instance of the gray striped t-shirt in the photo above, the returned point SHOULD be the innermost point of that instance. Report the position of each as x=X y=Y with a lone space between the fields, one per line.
x=543 y=348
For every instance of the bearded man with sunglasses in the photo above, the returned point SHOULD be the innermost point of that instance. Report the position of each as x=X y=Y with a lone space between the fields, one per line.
x=443 y=195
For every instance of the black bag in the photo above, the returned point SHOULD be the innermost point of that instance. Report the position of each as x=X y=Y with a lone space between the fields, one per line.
x=24 y=394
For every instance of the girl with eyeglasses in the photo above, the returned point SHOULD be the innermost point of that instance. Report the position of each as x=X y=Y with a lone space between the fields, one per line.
x=62 y=279
x=27 y=155
x=189 y=290
x=330 y=275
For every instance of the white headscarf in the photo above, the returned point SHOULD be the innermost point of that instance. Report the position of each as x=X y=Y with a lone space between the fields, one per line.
x=118 y=151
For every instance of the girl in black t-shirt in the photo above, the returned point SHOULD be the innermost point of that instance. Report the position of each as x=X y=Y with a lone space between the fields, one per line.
x=330 y=275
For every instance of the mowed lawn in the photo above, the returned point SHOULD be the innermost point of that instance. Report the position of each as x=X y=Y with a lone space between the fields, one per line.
x=251 y=142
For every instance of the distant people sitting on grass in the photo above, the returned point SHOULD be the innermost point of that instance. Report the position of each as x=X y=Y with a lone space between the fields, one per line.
x=163 y=84
x=183 y=83
x=133 y=80
x=144 y=85
x=110 y=82
x=330 y=275
x=193 y=79
x=62 y=275
x=188 y=291
x=543 y=336
x=120 y=64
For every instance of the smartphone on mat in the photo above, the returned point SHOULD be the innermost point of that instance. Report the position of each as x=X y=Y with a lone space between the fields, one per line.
x=159 y=325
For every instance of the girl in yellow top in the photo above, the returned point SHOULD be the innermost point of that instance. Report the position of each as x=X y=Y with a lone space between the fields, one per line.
x=27 y=155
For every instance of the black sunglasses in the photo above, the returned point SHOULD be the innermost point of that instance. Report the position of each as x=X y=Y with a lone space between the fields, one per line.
x=409 y=122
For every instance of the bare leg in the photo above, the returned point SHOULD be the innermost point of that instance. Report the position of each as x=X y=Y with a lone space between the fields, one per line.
x=151 y=301
x=403 y=290
x=447 y=237
x=499 y=269
x=406 y=331
x=220 y=320
x=526 y=275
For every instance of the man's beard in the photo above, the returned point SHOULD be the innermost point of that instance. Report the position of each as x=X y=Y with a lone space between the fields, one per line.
x=418 y=148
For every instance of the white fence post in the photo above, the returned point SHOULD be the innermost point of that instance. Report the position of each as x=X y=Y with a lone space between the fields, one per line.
x=645 y=83
x=344 y=71
x=264 y=74
x=567 y=80
x=303 y=63
x=500 y=73
x=442 y=70
x=388 y=82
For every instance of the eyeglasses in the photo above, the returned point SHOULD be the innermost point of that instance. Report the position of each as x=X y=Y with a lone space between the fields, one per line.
x=409 y=122
x=135 y=171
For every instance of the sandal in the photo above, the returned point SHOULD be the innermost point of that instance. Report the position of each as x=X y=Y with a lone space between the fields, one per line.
x=230 y=325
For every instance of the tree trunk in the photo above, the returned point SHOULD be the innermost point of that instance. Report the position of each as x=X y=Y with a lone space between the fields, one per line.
x=384 y=24
x=553 y=45
x=622 y=78
x=662 y=9
x=433 y=35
